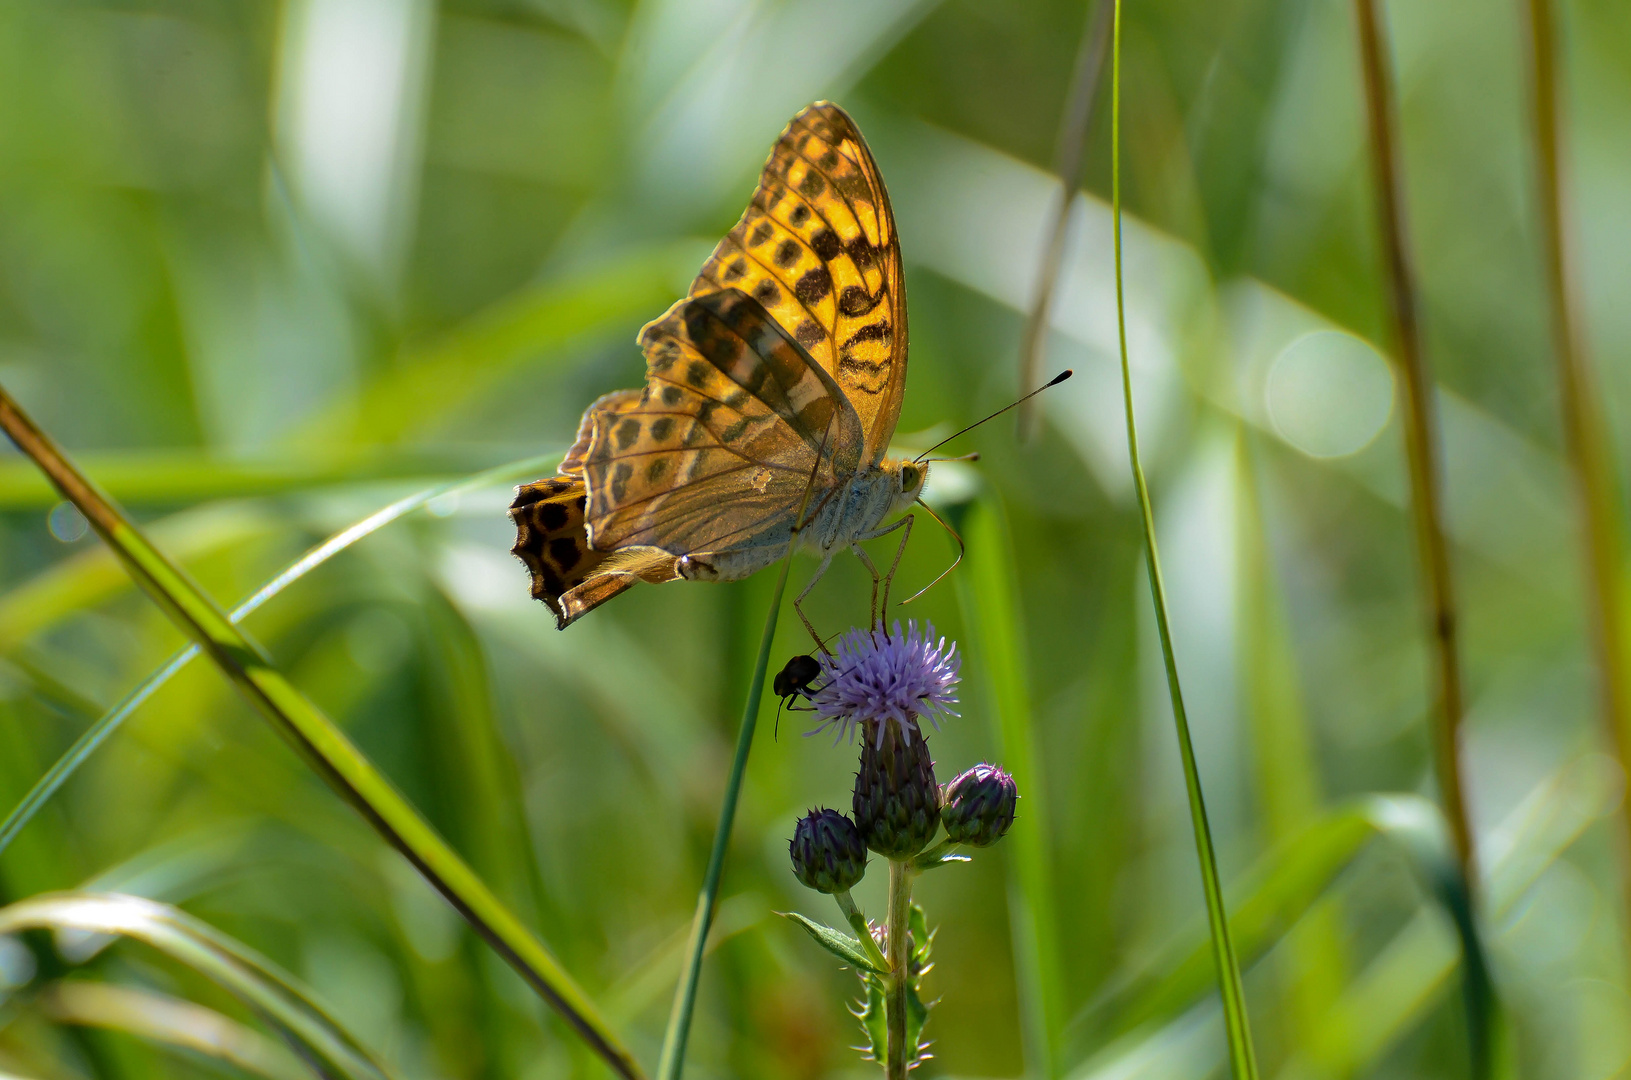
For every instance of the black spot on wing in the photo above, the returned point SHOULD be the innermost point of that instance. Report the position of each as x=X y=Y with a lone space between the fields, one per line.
x=856 y=301
x=767 y=293
x=878 y=331
x=552 y=516
x=787 y=253
x=813 y=286
x=760 y=234
x=563 y=551
x=662 y=428
x=826 y=245
x=861 y=251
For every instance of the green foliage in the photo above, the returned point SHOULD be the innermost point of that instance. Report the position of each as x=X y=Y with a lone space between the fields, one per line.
x=255 y=327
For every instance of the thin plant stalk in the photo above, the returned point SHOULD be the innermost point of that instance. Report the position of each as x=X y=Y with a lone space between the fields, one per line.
x=1242 y=1059
x=672 y=1062
x=321 y=743
x=110 y=721
x=898 y=951
x=1071 y=161
x=1584 y=428
x=1421 y=438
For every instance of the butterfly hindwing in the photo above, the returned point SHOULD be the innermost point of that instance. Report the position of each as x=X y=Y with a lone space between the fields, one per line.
x=817 y=249
x=733 y=424
x=552 y=542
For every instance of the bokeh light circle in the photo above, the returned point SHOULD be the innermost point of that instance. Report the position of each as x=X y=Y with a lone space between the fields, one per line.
x=1329 y=394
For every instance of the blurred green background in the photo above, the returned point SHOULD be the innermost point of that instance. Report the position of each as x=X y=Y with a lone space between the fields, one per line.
x=266 y=266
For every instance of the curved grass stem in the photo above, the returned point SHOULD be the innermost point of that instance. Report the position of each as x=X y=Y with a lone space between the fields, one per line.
x=1584 y=428
x=1421 y=436
x=320 y=742
x=110 y=721
x=1242 y=1058
x=672 y=1061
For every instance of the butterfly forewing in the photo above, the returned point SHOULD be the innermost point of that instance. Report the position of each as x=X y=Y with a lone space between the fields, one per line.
x=817 y=249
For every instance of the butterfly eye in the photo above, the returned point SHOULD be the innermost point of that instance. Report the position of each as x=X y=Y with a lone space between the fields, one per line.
x=908 y=477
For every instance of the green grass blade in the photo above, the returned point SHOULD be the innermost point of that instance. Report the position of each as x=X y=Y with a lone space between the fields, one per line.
x=189 y=477
x=1241 y=1056
x=995 y=634
x=329 y=1049
x=672 y=1061
x=1271 y=898
x=1289 y=792
x=109 y=722
x=321 y=743
x=167 y=1021
x=545 y=320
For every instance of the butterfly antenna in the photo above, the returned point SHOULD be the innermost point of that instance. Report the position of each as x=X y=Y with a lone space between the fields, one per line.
x=962 y=548
x=1055 y=381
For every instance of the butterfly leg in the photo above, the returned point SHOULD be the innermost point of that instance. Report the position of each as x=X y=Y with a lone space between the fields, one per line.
x=888 y=579
x=826 y=561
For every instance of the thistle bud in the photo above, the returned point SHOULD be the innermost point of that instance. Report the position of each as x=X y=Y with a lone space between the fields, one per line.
x=827 y=852
x=979 y=806
x=897 y=803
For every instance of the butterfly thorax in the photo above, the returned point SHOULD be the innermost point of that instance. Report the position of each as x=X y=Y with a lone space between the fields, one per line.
x=857 y=507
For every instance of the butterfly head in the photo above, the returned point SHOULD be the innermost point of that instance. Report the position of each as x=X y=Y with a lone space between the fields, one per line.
x=909 y=478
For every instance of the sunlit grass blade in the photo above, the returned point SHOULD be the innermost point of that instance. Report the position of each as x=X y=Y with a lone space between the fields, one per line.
x=1232 y=991
x=1070 y=162
x=1585 y=429
x=109 y=722
x=671 y=1064
x=994 y=632
x=329 y=1049
x=1271 y=897
x=1287 y=770
x=544 y=320
x=324 y=746
x=1394 y=993
x=189 y=477
x=168 y=1021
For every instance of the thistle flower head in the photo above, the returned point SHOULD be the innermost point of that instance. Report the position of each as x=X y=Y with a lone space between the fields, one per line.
x=827 y=851
x=877 y=679
x=896 y=801
x=977 y=807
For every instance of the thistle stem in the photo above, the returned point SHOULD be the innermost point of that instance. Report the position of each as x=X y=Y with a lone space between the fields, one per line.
x=857 y=921
x=896 y=1058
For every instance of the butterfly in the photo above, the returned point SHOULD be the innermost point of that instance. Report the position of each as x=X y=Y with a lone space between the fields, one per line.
x=772 y=392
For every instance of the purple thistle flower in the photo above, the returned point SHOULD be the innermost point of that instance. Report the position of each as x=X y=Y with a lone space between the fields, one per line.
x=882 y=678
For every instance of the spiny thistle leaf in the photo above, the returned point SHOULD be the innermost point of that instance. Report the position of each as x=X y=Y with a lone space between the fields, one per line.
x=839 y=944
x=871 y=1015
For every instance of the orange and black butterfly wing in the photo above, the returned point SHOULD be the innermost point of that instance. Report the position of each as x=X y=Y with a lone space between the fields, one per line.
x=817 y=249
x=553 y=543
x=735 y=420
